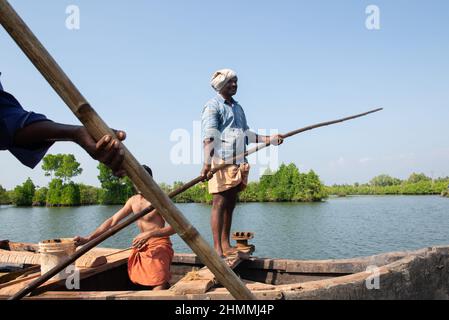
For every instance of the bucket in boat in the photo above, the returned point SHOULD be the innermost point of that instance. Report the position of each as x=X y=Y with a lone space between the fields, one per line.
x=54 y=252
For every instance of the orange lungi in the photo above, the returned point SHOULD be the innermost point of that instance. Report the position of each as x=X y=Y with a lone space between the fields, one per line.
x=150 y=265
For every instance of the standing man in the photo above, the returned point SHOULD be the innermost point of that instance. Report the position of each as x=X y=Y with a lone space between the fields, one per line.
x=225 y=135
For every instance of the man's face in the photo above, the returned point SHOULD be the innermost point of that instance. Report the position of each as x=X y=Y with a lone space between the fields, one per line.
x=230 y=89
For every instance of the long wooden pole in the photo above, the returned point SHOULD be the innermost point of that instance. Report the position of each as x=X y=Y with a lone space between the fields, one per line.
x=56 y=77
x=290 y=134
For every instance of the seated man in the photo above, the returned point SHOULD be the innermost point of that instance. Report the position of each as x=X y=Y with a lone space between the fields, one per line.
x=150 y=260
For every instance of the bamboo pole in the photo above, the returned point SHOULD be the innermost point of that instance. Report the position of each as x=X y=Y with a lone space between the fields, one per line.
x=55 y=76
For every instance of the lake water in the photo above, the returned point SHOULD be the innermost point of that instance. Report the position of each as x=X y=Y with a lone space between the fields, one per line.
x=337 y=228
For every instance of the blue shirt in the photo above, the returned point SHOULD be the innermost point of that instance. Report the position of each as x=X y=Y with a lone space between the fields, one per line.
x=12 y=118
x=227 y=125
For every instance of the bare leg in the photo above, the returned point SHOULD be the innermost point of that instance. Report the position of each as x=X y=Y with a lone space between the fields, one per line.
x=231 y=199
x=216 y=221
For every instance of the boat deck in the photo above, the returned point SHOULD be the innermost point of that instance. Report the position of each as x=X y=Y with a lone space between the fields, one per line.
x=419 y=274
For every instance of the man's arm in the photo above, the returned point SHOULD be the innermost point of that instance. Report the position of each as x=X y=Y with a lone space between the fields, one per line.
x=142 y=238
x=108 y=224
x=107 y=150
x=208 y=147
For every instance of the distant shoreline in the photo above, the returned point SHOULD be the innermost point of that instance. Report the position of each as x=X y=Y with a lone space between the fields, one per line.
x=332 y=196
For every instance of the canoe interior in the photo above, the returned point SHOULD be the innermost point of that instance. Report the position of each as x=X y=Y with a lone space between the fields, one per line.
x=256 y=270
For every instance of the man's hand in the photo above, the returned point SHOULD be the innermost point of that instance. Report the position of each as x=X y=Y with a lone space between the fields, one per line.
x=79 y=241
x=206 y=172
x=142 y=239
x=275 y=139
x=107 y=150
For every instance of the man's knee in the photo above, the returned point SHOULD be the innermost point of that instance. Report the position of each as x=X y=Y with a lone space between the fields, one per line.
x=219 y=202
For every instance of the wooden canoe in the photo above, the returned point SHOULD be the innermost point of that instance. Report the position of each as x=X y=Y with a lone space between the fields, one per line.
x=421 y=274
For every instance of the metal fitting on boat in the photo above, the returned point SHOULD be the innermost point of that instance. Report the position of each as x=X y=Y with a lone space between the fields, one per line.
x=242 y=241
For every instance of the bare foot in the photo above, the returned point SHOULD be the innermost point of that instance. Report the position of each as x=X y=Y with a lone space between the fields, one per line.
x=229 y=250
x=218 y=250
x=227 y=246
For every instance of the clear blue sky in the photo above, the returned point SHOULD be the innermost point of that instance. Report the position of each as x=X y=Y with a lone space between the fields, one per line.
x=145 y=67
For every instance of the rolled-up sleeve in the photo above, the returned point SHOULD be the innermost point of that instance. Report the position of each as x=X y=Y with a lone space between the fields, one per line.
x=209 y=122
x=12 y=118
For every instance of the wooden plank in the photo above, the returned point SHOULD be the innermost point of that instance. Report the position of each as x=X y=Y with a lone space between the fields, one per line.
x=18 y=257
x=256 y=286
x=202 y=280
x=213 y=294
x=188 y=258
x=22 y=246
x=10 y=276
x=91 y=259
x=113 y=261
x=9 y=288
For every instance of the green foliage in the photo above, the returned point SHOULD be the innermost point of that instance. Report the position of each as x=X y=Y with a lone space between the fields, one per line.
x=23 y=195
x=70 y=195
x=63 y=166
x=416 y=184
x=88 y=195
x=286 y=184
x=63 y=194
x=61 y=191
x=115 y=190
x=384 y=180
x=4 y=196
x=197 y=193
x=251 y=193
x=165 y=187
x=418 y=177
x=40 y=197
x=54 y=192
x=50 y=164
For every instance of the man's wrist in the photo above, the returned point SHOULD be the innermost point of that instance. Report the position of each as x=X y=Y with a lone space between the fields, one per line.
x=76 y=134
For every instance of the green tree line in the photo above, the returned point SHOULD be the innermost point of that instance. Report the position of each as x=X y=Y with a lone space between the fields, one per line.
x=416 y=184
x=286 y=184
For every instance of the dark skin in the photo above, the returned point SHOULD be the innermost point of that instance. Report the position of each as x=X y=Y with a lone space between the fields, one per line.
x=107 y=150
x=223 y=203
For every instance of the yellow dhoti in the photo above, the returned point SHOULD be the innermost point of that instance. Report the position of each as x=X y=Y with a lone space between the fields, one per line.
x=229 y=177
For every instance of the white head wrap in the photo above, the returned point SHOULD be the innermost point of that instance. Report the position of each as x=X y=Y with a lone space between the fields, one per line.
x=221 y=77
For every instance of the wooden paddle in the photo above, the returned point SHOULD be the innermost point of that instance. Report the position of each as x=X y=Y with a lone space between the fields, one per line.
x=97 y=128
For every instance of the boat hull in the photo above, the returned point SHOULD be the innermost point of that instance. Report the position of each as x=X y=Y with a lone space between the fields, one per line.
x=421 y=274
